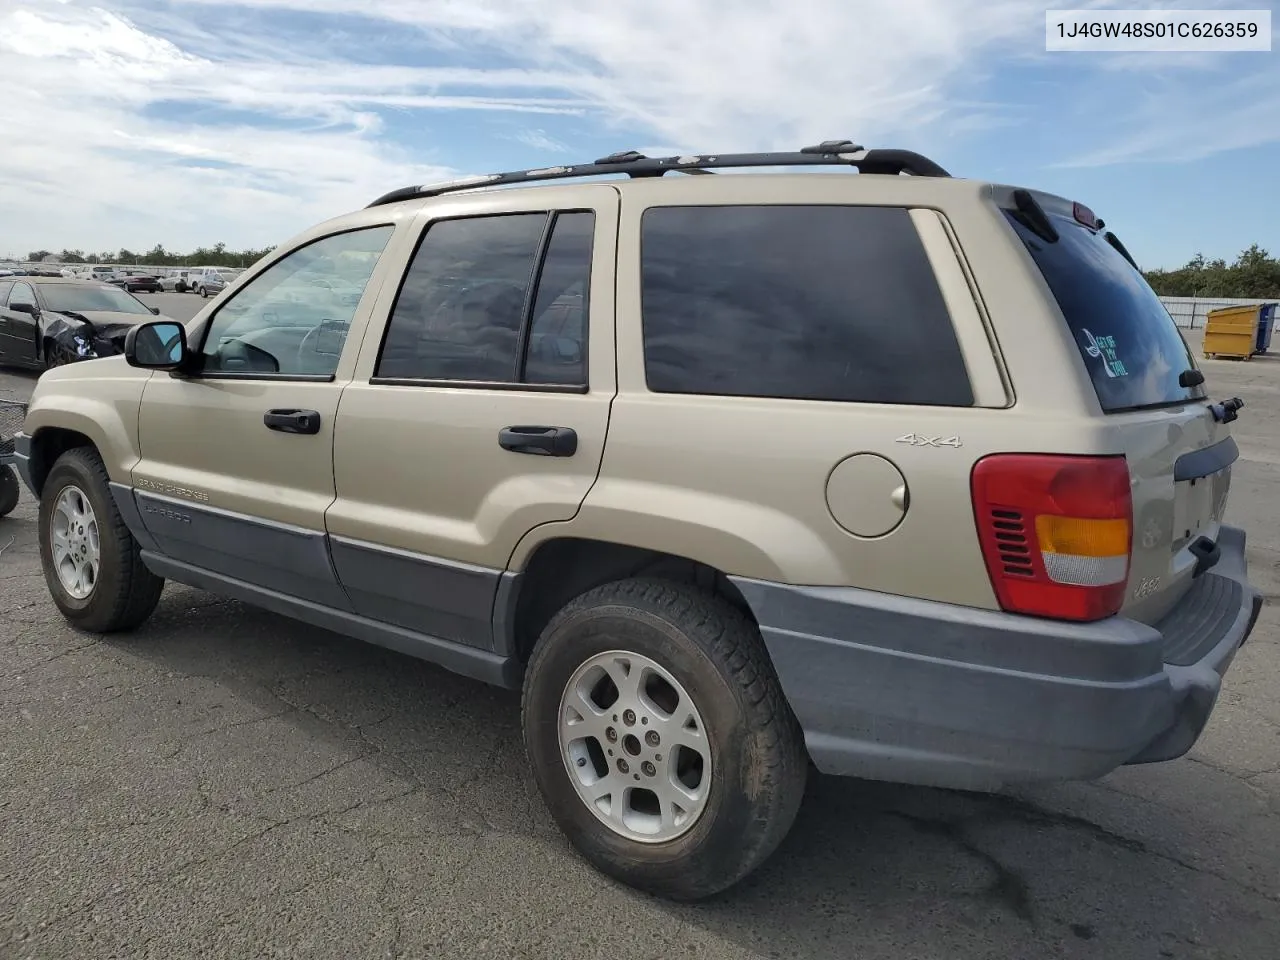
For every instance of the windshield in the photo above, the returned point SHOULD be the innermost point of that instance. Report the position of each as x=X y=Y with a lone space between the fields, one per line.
x=82 y=298
x=1130 y=344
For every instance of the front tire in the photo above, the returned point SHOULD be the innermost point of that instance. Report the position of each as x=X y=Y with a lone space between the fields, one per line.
x=92 y=564
x=660 y=737
x=204 y=294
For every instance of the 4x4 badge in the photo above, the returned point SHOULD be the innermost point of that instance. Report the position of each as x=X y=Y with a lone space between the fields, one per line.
x=916 y=440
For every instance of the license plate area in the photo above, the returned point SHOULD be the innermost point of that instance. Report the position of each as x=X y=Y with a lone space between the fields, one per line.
x=1198 y=505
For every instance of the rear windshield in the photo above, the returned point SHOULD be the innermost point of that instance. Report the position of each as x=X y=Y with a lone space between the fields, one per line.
x=1132 y=348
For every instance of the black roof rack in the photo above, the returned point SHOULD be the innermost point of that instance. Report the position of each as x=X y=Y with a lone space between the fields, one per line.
x=635 y=164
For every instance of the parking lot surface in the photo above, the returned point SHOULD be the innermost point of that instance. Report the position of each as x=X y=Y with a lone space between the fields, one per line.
x=179 y=306
x=227 y=783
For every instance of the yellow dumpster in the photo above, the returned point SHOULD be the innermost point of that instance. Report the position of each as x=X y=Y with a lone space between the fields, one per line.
x=1231 y=332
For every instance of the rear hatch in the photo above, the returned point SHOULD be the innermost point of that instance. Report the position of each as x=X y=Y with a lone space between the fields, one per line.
x=1150 y=390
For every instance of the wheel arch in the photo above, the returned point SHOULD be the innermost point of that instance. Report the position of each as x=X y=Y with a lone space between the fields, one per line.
x=561 y=568
x=48 y=343
x=47 y=445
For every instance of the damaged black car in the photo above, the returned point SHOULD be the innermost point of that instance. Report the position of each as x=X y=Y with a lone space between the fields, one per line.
x=46 y=321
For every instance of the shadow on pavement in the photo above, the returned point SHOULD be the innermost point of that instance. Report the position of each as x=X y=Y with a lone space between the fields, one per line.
x=1076 y=869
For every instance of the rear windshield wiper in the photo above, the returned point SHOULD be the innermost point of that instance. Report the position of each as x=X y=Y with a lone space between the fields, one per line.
x=1033 y=215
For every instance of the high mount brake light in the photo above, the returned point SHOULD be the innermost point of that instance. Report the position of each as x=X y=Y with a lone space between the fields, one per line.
x=1086 y=216
x=1056 y=532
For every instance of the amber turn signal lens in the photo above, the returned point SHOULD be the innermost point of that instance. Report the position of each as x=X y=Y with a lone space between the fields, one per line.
x=1082 y=537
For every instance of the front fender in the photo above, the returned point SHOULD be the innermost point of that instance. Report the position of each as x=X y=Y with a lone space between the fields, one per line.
x=96 y=398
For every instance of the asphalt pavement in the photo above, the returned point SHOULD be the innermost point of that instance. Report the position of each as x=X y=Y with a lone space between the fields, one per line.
x=179 y=306
x=226 y=783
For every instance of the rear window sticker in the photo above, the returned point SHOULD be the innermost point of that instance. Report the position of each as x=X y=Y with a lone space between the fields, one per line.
x=1104 y=349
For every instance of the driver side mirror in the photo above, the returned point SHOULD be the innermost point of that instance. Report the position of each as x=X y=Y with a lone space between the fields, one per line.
x=24 y=308
x=154 y=310
x=159 y=345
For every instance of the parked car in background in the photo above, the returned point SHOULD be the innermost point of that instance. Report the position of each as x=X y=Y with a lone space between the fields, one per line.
x=175 y=280
x=46 y=322
x=138 y=283
x=97 y=272
x=211 y=281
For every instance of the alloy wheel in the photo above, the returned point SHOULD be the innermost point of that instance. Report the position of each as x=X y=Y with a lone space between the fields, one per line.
x=635 y=746
x=73 y=537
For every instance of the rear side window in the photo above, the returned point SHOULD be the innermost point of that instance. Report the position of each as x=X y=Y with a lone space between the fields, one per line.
x=495 y=299
x=797 y=302
x=1129 y=343
x=459 y=311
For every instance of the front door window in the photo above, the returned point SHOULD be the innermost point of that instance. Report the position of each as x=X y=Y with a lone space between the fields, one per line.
x=293 y=318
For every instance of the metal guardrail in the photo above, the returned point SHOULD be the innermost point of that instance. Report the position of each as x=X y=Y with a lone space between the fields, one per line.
x=1192 y=312
x=12 y=415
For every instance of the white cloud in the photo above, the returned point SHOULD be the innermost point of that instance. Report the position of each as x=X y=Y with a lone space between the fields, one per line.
x=540 y=140
x=130 y=122
x=87 y=164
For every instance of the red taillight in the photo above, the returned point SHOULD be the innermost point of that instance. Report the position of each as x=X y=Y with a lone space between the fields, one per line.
x=1056 y=532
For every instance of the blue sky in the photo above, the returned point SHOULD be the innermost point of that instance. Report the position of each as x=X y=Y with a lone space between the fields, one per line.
x=183 y=122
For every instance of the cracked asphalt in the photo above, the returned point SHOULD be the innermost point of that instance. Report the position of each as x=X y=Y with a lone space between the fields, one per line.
x=227 y=783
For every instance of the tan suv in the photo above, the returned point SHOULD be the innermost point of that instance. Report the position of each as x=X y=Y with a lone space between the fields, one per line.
x=905 y=476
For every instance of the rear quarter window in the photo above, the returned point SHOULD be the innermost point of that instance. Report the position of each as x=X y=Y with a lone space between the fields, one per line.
x=1129 y=343
x=835 y=303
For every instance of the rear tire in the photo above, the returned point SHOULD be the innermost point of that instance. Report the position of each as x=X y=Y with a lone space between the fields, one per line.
x=10 y=489
x=122 y=592
x=755 y=767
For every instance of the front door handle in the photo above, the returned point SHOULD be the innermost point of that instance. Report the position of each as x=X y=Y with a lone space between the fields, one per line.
x=292 y=421
x=539 y=441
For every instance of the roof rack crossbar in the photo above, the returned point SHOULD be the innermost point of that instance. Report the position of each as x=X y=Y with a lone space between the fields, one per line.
x=637 y=165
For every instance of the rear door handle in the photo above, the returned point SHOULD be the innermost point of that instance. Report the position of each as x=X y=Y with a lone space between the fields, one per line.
x=292 y=421
x=539 y=441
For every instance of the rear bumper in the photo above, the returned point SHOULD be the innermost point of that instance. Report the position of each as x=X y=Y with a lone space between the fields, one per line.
x=913 y=691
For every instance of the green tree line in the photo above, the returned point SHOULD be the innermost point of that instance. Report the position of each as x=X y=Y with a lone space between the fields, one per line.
x=1255 y=273
x=216 y=256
